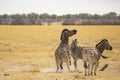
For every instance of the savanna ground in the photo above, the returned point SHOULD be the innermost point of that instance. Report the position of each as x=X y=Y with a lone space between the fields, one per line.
x=27 y=52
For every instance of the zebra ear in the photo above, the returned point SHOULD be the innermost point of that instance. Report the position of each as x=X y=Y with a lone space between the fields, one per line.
x=75 y=39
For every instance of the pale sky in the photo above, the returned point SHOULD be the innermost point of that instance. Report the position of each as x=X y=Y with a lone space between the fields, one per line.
x=59 y=7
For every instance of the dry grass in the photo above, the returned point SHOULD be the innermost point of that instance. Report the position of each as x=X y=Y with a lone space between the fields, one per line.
x=27 y=52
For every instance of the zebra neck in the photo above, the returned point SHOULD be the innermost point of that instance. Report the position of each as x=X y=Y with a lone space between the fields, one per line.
x=73 y=49
x=65 y=41
x=100 y=50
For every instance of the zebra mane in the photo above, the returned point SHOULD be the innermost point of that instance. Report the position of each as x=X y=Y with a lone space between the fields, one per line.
x=63 y=32
x=101 y=45
x=101 y=42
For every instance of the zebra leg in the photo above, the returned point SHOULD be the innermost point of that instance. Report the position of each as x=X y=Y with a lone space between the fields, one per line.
x=57 y=62
x=69 y=60
x=68 y=65
x=75 y=64
x=96 y=66
x=89 y=66
x=61 y=65
x=85 y=71
x=66 y=60
x=85 y=66
x=92 y=69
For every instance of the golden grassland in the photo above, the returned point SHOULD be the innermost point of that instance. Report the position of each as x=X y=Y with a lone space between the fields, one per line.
x=27 y=52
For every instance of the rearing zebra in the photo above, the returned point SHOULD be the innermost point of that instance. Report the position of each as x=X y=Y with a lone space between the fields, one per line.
x=62 y=53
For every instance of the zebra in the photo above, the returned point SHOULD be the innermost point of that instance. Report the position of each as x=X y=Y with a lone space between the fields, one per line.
x=91 y=56
x=62 y=53
x=76 y=52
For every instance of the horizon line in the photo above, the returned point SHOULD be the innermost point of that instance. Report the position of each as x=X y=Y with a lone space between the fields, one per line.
x=59 y=14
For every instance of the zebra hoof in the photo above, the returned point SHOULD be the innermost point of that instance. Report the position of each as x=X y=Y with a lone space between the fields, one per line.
x=70 y=71
x=95 y=74
x=88 y=74
x=91 y=74
x=56 y=71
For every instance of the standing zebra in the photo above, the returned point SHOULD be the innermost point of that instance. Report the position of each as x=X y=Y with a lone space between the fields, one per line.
x=62 y=53
x=91 y=56
x=76 y=52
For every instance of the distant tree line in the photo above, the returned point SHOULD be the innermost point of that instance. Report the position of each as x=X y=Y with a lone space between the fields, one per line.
x=111 y=18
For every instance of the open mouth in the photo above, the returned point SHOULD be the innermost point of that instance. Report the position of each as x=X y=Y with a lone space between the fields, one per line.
x=75 y=31
x=111 y=48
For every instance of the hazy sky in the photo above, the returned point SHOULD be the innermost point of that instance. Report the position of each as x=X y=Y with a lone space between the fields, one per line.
x=59 y=7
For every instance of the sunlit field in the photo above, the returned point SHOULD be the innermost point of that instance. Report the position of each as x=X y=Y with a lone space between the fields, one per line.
x=27 y=52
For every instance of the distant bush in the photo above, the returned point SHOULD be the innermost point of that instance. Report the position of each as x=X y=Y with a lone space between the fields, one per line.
x=69 y=19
